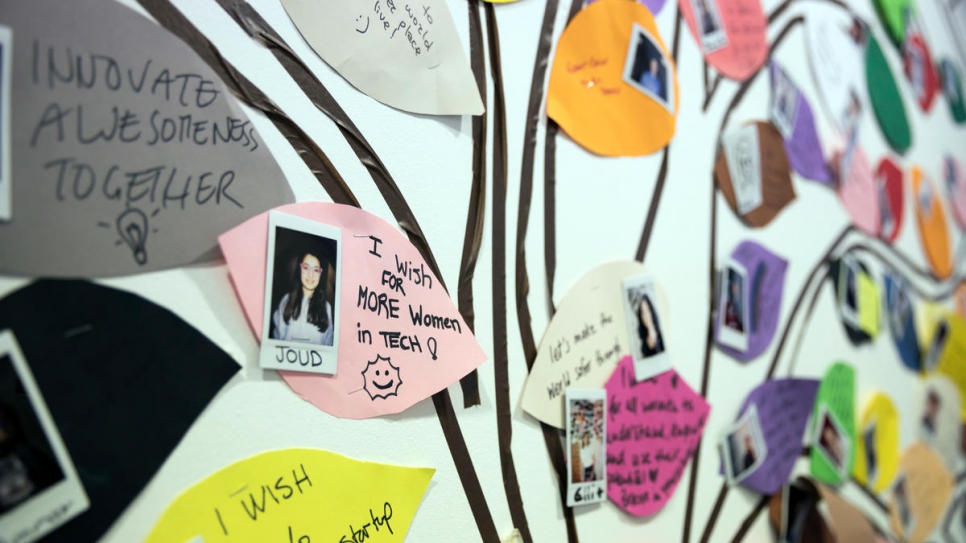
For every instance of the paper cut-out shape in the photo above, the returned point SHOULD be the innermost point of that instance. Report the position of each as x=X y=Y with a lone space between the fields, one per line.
x=793 y=117
x=920 y=494
x=877 y=443
x=653 y=5
x=952 y=84
x=410 y=58
x=846 y=521
x=132 y=154
x=585 y=340
x=729 y=33
x=886 y=100
x=755 y=153
x=833 y=426
x=653 y=428
x=954 y=184
x=857 y=297
x=889 y=196
x=920 y=71
x=901 y=318
x=931 y=219
x=857 y=191
x=794 y=514
x=783 y=407
x=893 y=16
x=145 y=373
x=297 y=495
x=945 y=352
x=938 y=424
x=836 y=44
x=392 y=307
x=613 y=84
x=765 y=281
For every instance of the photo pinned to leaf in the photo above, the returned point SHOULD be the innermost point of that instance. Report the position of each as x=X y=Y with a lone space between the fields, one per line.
x=857 y=297
x=792 y=115
x=836 y=44
x=920 y=494
x=937 y=417
x=877 y=443
x=889 y=197
x=931 y=220
x=900 y=314
x=753 y=173
x=954 y=183
x=892 y=13
x=833 y=426
x=731 y=34
x=952 y=83
x=920 y=71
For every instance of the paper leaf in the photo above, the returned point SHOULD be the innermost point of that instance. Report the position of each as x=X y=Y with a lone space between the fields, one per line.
x=653 y=428
x=931 y=219
x=729 y=33
x=766 y=279
x=847 y=521
x=442 y=348
x=937 y=417
x=835 y=43
x=130 y=155
x=900 y=316
x=585 y=340
x=886 y=100
x=653 y=5
x=889 y=194
x=783 y=406
x=770 y=183
x=892 y=13
x=920 y=71
x=123 y=380
x=877 y=443
x=952 y=85
x=833 y=426
x=613 y=84
x=924 y=486
x=297 y=495
x=857 y=297
x=408 y=58
x=858 y=192
x=792 y=115
x=946 y=352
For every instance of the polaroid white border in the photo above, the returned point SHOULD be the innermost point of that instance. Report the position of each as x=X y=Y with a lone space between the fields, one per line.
x=750 y=414
x=871 y=472
x=644 y=368
x=901 y=480
x=711 y=41
x=785 y=509
x=271 y=347
x=6 y=87
x=636 y=32
x=925 y=198
x=934 y=356
x=851 y=317
x=823 y=412
x=745 y=201
x=726 y=335
x=58 y=504
x=784 y=123
x=593 y=491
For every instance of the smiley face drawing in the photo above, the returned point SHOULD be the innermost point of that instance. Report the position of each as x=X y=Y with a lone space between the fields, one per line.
x=381 y=379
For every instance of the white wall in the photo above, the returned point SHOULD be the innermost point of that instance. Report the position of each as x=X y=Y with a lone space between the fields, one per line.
x=601 y=205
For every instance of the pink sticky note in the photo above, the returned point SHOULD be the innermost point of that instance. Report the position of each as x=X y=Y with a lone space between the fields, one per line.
x=858 y=193
x=653 y=428
x=730 y=34
x=426 y=357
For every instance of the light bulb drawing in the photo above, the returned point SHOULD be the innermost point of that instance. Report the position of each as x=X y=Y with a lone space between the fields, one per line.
x=132 y=226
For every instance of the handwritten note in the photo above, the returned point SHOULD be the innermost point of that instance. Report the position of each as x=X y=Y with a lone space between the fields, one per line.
x=793 y=116
x=297 y=496
x=933 y=227
x=653 y=428
x=857 y=190
x=772 y=175
x=920 y=495
x=937 y=417
x=836 y=45
x=401 y=338
x=766 y=279
x=613 y=84
x=585 y=340
x=877 y=443
x=404 y=53
x=833 y=426
x=137 y=156
x=783 y=406
x=743 y=48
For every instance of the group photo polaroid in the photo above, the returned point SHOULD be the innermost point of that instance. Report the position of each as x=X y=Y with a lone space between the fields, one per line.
x=6 y=75
x=645 y=334
x=743 y=448
x=587 y=445
x=799 y=517
x=734 y=306
x=743 y=156
x=647 y=69
x=832 y=441
x=848 y=291
x=39 y=487
x=710 y=26
x=300 y=330
x=784 y=105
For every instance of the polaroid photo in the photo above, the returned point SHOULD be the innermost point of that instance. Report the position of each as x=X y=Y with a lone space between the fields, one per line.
x=900 y=496
x=949 y=176
x=925 y=197
x=936 y=347
x=931 y=422
x=797 y=505
x=6 y=76
x=871 y=458
x=645 y=333
x=784 y=104
x=647 y=70
x=39 y=487
x=885 y=210
x=300 y=327
x=832 y=441
x=743 y=447
x=743 y=155
x=710 y=26
x=586 y=445
x=900 y=308
x=734 y=306
x=848 y=281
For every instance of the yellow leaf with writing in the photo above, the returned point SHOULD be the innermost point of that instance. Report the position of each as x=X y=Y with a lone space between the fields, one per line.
x=877 y=455
x=297 y=495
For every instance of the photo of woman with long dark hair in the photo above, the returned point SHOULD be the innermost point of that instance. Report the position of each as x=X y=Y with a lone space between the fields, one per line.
x=645 y=336
x=303 y=314
x=649 y=328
